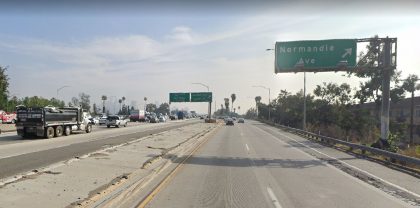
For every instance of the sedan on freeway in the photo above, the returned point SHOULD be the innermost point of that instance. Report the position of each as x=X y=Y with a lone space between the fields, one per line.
x=154 y=119
x=162 y=119
x=102 y=120
x=116 y=121
x=229 y=121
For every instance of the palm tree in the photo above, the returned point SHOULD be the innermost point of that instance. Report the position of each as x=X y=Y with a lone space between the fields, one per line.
x=257 y=101
x=145 y=100
x=123 y=103
x=104 y=98
x=227 y=104
x=410 y=85
x=233 y=97
x=120 y=101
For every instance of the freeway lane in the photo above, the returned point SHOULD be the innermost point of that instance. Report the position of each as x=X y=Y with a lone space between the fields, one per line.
x=12 y=137
x=23 y=157
x=245 y=166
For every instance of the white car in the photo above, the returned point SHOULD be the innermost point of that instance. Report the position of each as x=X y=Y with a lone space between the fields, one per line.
x=102 y=120
x=162 y=119
x=116 y=121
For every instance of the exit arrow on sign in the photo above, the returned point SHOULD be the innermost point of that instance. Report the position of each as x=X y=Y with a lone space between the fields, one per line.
x=348 y=52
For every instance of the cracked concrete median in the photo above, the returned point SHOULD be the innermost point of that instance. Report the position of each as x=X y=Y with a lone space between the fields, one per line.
x=70 y=183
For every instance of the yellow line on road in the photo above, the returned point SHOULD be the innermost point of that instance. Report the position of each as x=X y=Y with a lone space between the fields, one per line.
x=172 y=174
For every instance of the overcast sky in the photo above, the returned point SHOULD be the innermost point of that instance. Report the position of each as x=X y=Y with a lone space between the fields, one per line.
x=148 y=50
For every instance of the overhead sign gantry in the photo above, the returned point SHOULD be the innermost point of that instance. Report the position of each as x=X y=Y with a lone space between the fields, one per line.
x=315 y=55
x=340 y=55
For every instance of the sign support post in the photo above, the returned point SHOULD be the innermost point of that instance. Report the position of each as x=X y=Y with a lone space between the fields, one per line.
x=304 y=102
x=385 y=89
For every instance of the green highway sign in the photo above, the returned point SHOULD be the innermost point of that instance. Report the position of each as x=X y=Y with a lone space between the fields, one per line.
x=315 y=55
x=179 y=97
x=201 y=97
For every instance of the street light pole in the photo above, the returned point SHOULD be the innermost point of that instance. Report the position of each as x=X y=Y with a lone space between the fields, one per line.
x=58 y=90
x=113 y=102
x=304 y=102
x=269 y=100
x=208 y=90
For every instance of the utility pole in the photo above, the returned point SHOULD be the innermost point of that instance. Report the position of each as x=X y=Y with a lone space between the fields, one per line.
x=304 y=102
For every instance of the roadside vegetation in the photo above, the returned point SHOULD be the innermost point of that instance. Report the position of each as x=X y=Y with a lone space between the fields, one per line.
x=337 y=110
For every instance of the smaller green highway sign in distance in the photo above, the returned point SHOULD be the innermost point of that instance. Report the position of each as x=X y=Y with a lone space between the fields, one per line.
x=201 y=97
x=315 y=55
x=179 y=97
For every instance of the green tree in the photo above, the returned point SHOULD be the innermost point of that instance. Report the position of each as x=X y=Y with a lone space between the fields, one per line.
x=371 y=90
x=227 y=104
x=123 y=99
x=163 y=108
x=251 y=113
x=36 y=101
x=84 y=101
x=12 y=103
x=334 y=93
x=4 y=87
x=74 y=102
x=151 y=107
x=57 y=103
x=410 y=85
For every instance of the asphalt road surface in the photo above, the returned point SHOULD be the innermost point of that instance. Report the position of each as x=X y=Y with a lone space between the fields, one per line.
x=26 y=155
x=11 y=137
x=246 y=166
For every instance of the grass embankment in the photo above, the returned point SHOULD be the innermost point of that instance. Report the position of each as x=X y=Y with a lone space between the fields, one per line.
x=412 y=151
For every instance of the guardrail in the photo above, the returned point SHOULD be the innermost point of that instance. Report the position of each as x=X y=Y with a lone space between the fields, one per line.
x=393 y=157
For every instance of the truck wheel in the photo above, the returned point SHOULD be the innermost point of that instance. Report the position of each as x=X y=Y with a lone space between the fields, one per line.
x=67 y=130
x=58 y=131
x=108 y=126
x=13 y=121
x=125 y=125
x=49 y=132
x=88 y=128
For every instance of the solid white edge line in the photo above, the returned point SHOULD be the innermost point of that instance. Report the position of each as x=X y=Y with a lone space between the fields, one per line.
x=273 y=198
x=354 y=167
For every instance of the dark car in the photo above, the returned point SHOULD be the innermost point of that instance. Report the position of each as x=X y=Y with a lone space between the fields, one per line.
x=172 y=117
x=229 y=121
x=116 y=121
x=153 y=119
x=241 y=120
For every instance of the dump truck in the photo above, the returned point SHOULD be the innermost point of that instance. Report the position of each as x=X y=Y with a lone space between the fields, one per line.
x=50 y=121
